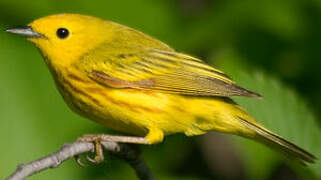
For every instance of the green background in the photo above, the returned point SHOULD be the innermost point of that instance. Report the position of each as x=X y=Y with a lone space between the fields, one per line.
x=272 y=47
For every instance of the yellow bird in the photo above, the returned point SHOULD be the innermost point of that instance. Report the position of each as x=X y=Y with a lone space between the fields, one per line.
x=133 y=83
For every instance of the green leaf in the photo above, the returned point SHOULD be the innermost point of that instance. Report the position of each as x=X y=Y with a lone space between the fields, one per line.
x=282 y=111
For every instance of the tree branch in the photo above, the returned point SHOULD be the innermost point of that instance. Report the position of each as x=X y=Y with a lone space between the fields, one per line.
x=128 y=153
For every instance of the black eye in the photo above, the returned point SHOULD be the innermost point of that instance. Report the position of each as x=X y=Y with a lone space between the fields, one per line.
x=62 y=33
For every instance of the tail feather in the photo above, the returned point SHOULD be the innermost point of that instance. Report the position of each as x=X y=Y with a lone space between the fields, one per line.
x=279 y=143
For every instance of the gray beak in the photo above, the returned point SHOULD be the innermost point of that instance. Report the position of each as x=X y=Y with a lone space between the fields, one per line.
x=25 y=31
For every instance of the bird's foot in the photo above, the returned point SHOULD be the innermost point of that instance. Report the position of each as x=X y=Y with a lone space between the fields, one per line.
x=99 y=155
x=98 y=138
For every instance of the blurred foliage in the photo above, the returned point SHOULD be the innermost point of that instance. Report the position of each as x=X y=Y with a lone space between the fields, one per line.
x=281 y=38
x=280 y=111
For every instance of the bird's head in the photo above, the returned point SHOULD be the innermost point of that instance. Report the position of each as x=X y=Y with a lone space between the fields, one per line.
x=64 y=38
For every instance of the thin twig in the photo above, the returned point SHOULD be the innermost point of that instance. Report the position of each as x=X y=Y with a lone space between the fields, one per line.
x=129 y=153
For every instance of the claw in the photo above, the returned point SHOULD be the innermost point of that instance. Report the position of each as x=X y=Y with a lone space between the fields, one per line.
x=98 y=148
x=91 y=159
x=78 y=160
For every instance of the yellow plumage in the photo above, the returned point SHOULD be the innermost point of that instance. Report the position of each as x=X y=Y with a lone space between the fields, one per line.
x=131 y=82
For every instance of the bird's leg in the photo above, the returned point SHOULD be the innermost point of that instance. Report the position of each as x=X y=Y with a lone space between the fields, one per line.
x=113 y=138
x=154 y=136
x=97 y=138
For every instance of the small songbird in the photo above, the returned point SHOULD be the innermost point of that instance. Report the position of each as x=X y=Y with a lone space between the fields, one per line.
x=133 y=83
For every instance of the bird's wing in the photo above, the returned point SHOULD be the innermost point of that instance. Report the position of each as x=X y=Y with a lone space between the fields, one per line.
x=159 y=70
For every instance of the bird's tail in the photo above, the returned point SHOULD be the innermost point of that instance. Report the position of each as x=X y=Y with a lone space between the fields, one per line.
x=277 y=142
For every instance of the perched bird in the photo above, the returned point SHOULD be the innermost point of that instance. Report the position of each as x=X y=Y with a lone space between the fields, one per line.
x=133 y=83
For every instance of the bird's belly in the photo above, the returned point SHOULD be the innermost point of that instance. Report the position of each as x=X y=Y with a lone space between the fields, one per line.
x=126 y=110
x=101 y=113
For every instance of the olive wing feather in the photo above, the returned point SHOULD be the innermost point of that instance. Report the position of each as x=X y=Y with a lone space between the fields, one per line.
x=166 y=71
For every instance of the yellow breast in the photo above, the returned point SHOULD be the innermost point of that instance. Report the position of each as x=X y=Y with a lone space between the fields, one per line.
x=127 y=110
